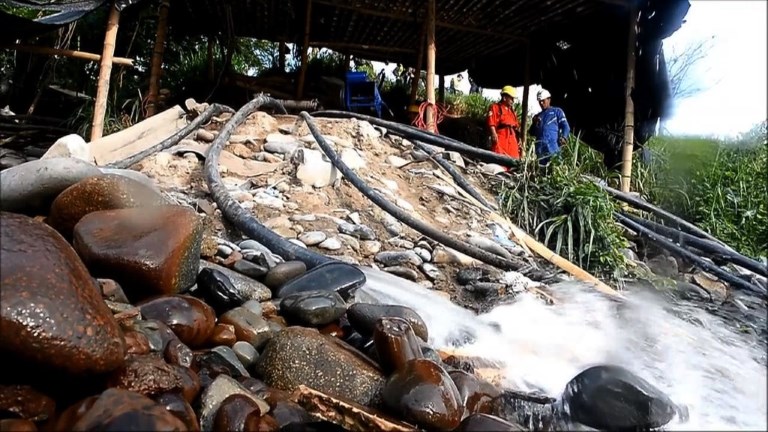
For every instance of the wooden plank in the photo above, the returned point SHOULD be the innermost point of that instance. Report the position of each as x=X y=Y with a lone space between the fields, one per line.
x=122 y=61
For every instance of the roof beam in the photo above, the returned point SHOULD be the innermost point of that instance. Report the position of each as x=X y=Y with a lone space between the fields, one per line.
x=345 y=45
x=402 y=17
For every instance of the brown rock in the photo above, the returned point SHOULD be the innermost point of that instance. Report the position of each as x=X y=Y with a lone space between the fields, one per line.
x=237 y=413
x=395 y=343
x=150 y=375
x=179 y=407
x=249 y=327
x=176 y=352
x=136 y=343
x=118 y=409
x=149 y=251
x=423 y=393
x=283 y=272
x=298 y=355
x=190 y=318
x=477 y=396
x=17 y=425
x=223 y=334
x=26 y=402
x=104 y=192
x=487 y=423
x=240 y=150
x=51 y=310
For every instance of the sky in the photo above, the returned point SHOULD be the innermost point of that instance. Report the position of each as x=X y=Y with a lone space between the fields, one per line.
x=732 y=75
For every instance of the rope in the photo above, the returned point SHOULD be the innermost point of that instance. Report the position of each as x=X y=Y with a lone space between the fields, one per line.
x=440 y=112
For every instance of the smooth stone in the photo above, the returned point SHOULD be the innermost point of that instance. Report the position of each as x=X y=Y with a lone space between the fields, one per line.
x=246 y=353
x=362 y=232
x=313 y=308
x=52 y=312
x=490 y=246
x=136 y=343
x=254 y=306
x=284 y=272
x=401 y=243
x=287 y=413
x=254 y=245
x=148 y=251
x=340 y=277
x=431 y=271
x=395 y=343
x=237 y=413
x=133 y=175
x=302 y=356
x=613 y=398
x=397 y=258
x=424 y=254
x=148 y=375
x=112 y=291
x=31 y=187
x=218 y=290
x=487 y=423
x=158 y=333
x=175 y=404
x=363 y=318
x=249 y=327
x=475 y=395
x=298 y=243
x=17 y=425
x=370 y=247
x=470 y=275
x=403 y=272
x=249 y=269
x=350 y=241
x=121 y=410
x=191 y=319
x=176 y=352
x=69 y=146
x=98 y=193
x=223 y=334
x=26 y=402
x=247 y=288
x=215 y=394
x=221 y=356
x=312 y=238
x=331 y=244
x=424 y=394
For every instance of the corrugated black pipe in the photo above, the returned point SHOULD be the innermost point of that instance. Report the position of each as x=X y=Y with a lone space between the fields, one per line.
x=204 y=117
x=413 y=133
x=733 y=280
x=703 y=245
x=231 y=209
x=402 y=215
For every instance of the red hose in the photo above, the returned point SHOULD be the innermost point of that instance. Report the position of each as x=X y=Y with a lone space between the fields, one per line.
x=419 y=121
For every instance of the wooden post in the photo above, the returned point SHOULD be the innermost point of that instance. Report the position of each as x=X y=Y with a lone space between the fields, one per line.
x=304 y=53
x=526 y=94
x=281 y=56
x=122 y=61
x=105 y=69
x=441 y=89
x=156 y=69
x=419 y=61
x=431 y=51
x=629 y=112
x=211 y=70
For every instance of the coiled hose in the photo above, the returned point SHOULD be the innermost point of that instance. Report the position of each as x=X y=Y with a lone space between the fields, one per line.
x=205 y=116
x=733 y=280
x=230 y=208
x=402 y=215
x=413 y=133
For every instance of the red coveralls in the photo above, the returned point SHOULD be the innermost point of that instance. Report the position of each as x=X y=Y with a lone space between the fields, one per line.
x=503 y=118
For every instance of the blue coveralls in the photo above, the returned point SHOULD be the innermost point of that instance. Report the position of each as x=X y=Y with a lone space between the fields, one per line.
x=547 y=127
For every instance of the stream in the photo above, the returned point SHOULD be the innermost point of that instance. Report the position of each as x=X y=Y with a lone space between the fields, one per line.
x=697 y=358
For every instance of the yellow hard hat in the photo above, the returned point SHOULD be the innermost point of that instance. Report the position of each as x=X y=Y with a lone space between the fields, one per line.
x=413 y=108
x=509 y=90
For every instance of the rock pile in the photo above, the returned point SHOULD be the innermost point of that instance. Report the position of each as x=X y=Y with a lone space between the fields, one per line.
x=128 y=304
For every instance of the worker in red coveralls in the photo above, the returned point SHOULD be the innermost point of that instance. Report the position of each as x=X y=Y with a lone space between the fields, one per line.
x=503 y=124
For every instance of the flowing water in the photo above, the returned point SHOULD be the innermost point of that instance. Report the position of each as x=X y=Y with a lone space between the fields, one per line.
x=692 y=355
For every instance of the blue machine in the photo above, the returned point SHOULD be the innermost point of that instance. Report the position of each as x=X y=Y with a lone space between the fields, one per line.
x=359 y=92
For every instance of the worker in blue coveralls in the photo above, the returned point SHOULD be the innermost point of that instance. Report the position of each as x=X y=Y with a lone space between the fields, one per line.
x=549 y=127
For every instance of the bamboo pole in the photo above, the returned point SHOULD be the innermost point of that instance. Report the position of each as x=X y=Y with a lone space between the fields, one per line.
x=281 y=56
x=156 y=69
x=122 y=61
x=211 y=70
x=417 y=66
x=629 y=112
x=304 y=53
x=431 y=52
x=441 y=89
x=105 y=69
x=526 y=94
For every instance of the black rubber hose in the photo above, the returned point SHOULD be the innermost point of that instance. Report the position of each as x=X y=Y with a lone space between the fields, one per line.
x=455 y=174
x=205 y=116
x=230 y=208
x=413 y=133
x=733 y=280
x=402 y=215
x=703 y=245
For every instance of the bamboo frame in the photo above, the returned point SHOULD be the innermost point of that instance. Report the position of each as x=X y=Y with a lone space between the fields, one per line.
x=431 y=54
x=304 y=53
x=121 y=61
x=105 y=70
x=156 y=69
x=629 y=111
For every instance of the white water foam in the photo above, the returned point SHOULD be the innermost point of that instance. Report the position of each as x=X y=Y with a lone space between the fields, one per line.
x=707 y=367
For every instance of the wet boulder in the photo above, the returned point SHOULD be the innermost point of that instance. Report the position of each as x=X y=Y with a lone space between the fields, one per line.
x=192 y=320
x=363 y=318
x=51 y=311
x=611 y=397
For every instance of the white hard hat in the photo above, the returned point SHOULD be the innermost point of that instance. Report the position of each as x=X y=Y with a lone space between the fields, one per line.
x=543 y=94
